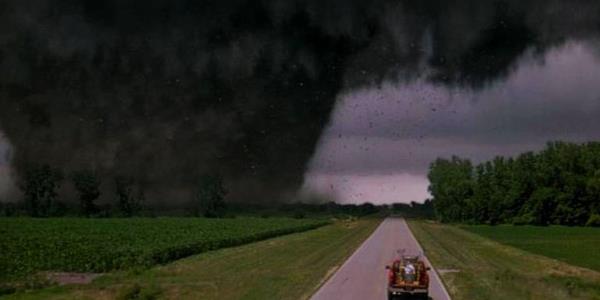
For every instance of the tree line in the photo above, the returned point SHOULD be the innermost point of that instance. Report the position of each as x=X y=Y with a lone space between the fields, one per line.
x=558 y=185
x=40 y=184
x=413 y=209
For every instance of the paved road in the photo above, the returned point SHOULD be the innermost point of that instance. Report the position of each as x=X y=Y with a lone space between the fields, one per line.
x=363 y=275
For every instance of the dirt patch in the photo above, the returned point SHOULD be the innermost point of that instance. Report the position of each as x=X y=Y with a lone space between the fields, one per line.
x=62 y=278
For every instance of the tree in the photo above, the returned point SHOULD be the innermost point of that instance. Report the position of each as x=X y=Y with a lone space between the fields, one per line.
x=87 y=184
x=128 y=202
x=593 y=221
x=210 y=197
x=479 y=205
x=39 y=184
x=593 y=193
x=540 y=206
x=451 y=187
x=558 y=185
x=8 y=209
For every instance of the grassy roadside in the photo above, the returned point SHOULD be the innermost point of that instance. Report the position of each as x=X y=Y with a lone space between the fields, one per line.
x=287 y=267
x=474 y=267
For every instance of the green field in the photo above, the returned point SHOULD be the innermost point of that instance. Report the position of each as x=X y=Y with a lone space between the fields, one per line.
x=474 y=267
x=98 y=245
x=575 y=245
x=287 y=267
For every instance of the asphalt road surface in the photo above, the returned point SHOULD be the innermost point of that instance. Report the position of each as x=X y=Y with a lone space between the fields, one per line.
x=363 y=275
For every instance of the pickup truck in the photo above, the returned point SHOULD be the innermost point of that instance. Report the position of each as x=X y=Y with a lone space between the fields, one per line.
x=407 y=275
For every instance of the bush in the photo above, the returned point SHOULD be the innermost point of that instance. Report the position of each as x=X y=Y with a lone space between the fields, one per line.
x=39 y=185
x=128 y=202
x=299 y=215
x=210 y=197
x=87 y=184
x=593 y=221
x=8 y=209
x=526 y=219
x=5 y=290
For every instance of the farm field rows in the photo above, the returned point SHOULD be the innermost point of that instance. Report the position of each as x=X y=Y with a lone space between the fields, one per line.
x=286 y=267
x=29 y=245
x=575 y=245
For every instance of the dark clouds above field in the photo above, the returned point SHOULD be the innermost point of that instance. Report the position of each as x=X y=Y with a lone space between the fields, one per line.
x=165 y=91
x=382 y=139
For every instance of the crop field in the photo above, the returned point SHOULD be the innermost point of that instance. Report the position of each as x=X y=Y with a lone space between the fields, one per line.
x=575 y=245
x=287 y=267
x=98 y=245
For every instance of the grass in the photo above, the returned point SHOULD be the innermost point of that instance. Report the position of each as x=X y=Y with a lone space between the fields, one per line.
x=574 y=245
x=286 y=267
x=28 y=245
x=474 y=267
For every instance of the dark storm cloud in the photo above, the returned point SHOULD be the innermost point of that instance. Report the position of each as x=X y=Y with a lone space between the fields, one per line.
x=165 y=91
x=404 y=126
x=557 y=95
x=390 y=134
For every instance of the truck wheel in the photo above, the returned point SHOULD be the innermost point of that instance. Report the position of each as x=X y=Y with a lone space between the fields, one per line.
x=390 y=296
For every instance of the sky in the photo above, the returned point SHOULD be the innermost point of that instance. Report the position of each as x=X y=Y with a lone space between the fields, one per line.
x=381 y=139
x=346 y=97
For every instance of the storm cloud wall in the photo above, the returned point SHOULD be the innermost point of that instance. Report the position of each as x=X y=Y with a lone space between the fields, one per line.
x=165 y=91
